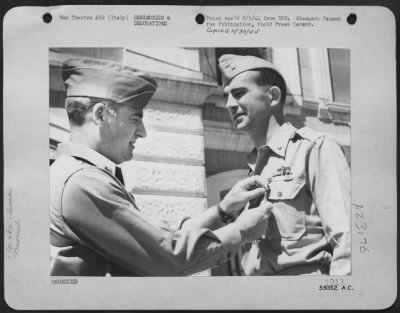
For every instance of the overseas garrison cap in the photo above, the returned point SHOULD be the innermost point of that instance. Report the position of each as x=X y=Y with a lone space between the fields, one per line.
x=107 y=80
x=232 y=65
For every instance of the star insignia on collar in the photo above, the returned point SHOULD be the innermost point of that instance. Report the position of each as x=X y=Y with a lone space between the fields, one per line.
x=229 y=66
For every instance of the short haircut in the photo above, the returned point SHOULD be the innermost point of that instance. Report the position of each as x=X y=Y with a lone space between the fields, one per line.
x=78 y=107
x=269 y=77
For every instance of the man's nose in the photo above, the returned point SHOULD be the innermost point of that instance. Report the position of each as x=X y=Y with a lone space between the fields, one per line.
x=231 y=103
x=141 y=131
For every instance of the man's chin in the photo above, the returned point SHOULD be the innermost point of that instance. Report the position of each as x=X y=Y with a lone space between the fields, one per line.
x=127 y=157
x=241 y=126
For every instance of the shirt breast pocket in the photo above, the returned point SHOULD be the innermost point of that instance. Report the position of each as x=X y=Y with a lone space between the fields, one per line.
x=288 y=219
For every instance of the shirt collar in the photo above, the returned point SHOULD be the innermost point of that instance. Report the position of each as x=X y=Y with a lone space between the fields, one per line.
x=278 y=143
x=84 y=152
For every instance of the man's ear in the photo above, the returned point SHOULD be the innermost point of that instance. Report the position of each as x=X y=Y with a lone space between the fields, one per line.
x=275 y=93
x=98 y=113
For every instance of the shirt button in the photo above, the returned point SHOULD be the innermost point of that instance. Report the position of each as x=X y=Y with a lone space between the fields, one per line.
x=279 y=194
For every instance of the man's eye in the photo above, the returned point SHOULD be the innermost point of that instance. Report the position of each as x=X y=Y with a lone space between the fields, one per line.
x=238 y=94
x=135 y=120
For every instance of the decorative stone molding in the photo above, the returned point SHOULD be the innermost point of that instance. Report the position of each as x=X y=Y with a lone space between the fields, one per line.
x=323 y=113
x=329 y=112
x=336 y=113
x=338 y=107
x=339 y=113
x=310 y=104
x=181 y=90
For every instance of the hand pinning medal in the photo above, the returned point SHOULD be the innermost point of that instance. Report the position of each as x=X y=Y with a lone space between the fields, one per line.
x=256 y=201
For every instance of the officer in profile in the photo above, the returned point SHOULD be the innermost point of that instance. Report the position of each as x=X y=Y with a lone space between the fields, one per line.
x=96 y=228
x=306 y=171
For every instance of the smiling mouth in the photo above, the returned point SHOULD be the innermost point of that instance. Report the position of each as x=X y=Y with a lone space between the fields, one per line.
x=236 y=116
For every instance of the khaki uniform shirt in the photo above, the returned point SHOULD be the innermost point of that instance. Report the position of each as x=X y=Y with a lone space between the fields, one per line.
x=96 y=228
x=309 y=229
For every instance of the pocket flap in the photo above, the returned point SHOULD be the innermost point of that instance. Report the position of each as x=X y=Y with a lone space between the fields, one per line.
x=285 y=190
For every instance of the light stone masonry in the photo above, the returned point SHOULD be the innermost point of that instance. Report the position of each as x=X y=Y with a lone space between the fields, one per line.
x=154 y=177
x=167 y=176
x=170 y=147
x=173 y=117
x=170 y=208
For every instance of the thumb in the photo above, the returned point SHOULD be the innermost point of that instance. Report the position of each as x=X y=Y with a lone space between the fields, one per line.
x=265 y=207
x=258 y=192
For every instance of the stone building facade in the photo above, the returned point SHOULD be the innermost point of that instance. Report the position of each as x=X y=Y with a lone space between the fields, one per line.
x=192 y=155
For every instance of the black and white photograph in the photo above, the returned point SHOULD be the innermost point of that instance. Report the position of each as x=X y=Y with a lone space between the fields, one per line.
x=182 y=126
x=198 y=158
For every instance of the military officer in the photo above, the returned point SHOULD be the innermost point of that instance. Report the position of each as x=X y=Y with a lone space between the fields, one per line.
x=96 y=228
x=307 y=173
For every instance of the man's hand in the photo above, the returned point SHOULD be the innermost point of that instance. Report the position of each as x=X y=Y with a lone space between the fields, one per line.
x=242 y=192
x=253 y=223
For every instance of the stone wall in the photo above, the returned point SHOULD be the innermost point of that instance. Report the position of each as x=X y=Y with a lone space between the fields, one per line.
x=167 y=175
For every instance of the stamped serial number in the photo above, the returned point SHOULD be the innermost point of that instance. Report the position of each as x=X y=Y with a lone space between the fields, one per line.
x=335 y=284
x=328 y=287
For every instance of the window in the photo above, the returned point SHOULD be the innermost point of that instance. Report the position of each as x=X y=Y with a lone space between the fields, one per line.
x=307 y=74
x=339 y=62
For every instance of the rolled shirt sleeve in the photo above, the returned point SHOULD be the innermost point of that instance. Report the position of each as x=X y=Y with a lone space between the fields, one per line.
x=104 y=219
x=329 y=177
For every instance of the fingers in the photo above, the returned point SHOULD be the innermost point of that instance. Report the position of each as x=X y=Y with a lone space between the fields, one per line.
x=252 y=194
x=255 y=181
x=265 y=207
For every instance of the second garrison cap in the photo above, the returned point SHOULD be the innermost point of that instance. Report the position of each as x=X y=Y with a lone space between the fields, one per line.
x=107 y=80
x=232 y=65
